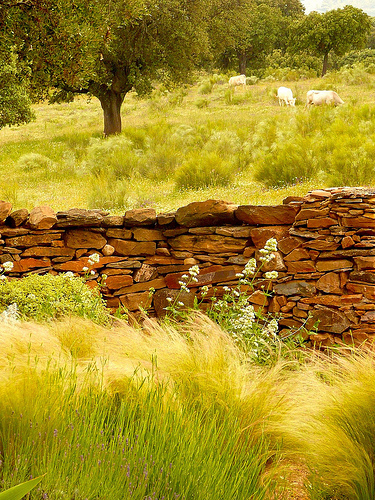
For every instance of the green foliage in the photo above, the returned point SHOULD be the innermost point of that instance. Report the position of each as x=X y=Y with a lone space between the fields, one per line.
x=202 y=170
x=337 y=30
x=14 y=102
x=113 y=155
x=79 y=48
x=42 y=298
x=34 y=161
x=19 y=491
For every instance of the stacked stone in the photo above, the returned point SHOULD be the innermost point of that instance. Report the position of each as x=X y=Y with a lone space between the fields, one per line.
x=334 y=263
x=325 y=258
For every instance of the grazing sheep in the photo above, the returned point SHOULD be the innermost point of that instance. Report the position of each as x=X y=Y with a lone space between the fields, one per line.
x=318 y=97
x=285 y=95
x=234 y=81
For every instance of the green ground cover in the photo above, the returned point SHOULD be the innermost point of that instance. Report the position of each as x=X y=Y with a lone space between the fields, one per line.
x=190 y=144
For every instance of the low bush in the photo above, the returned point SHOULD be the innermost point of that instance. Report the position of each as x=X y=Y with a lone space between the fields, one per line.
x=113 y=155
x=202 y=170
x=34 y=161
x=41 y=298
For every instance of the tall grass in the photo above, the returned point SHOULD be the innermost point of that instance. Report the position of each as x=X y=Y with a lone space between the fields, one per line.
x=129 y=414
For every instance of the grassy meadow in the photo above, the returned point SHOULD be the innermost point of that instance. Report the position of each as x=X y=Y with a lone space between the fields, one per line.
x=193 y=143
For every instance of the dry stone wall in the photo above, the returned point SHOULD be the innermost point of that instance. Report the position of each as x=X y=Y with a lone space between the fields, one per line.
x=325 y=258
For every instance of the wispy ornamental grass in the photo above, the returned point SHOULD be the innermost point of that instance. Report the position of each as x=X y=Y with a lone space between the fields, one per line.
x=154 y=415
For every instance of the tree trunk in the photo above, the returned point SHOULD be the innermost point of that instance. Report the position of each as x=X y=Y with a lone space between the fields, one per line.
x=111 y=102
x=325 y=64
x=242 y=62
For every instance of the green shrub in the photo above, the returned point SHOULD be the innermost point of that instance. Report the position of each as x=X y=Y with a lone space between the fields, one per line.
x=202 y=170
x=41 y=298
x=205 y=87
x=351 y=162
x=252 y=80
x=201 y=103
x=287 y=163
x=31 y=162
x=112 y=155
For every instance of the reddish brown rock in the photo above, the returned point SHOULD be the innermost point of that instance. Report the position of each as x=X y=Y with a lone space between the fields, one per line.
x=213 y=274
x=113 y=221
x=361 y=222
x=211 y=243
x=321 y=245
x=297 y=254
x=262 y=234
x=80 y=217
x=286 y=245
x=42 y=218
x=321 y=222
x=17 y=218
x=140 y=217
x=116 y=282
x=333 y=265
x=49 y=252
x=259 y=298
x=347 y=242
x=329 y=283
x=206 y=213
x=327 y=320
x=141 y=287
x=267 y=215
x=125 y=247
x=161 y=260
x=234 y=231
x=275 y=264
x=145 y=273
x=301 y=266
x=310 y=213
x=25 y=265
x=367 y=290
x=5 y=210
x=29 y=240
x=136 y=301
x=108 y=250
x=296 y=287
x=142 y=234
x=161 y=302
x=81 y=238
x=120 y=234
x=364 y=263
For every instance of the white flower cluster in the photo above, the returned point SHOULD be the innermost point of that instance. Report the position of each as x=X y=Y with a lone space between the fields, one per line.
x=271 y=275
x=188 y=278
x=7 y=266
x=271 y=328
x=93 y=259
x=243 y=321
x=10 y=315
x=266 y=253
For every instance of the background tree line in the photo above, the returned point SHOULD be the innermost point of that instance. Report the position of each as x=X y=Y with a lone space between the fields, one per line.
x=55 y=49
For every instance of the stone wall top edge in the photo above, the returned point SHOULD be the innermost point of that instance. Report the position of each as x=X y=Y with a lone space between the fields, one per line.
x=196 y=214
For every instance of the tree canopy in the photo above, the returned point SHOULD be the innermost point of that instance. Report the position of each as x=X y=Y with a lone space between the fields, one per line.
x=337 y=30
x=106 y=47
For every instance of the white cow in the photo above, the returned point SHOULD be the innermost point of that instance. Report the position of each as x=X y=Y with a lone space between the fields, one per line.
x=234 y=81
x=285 y=95
x=318 y=97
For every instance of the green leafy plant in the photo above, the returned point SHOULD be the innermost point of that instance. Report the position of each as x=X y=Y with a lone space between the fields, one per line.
x=42 y=298
x=19 y=491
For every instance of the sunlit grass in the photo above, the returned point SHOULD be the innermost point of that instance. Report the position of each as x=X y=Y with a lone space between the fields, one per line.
x=166 y=132
x=158 y=412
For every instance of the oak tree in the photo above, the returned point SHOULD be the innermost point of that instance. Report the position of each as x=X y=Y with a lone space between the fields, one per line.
x=339 y=31
x=104 y=48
